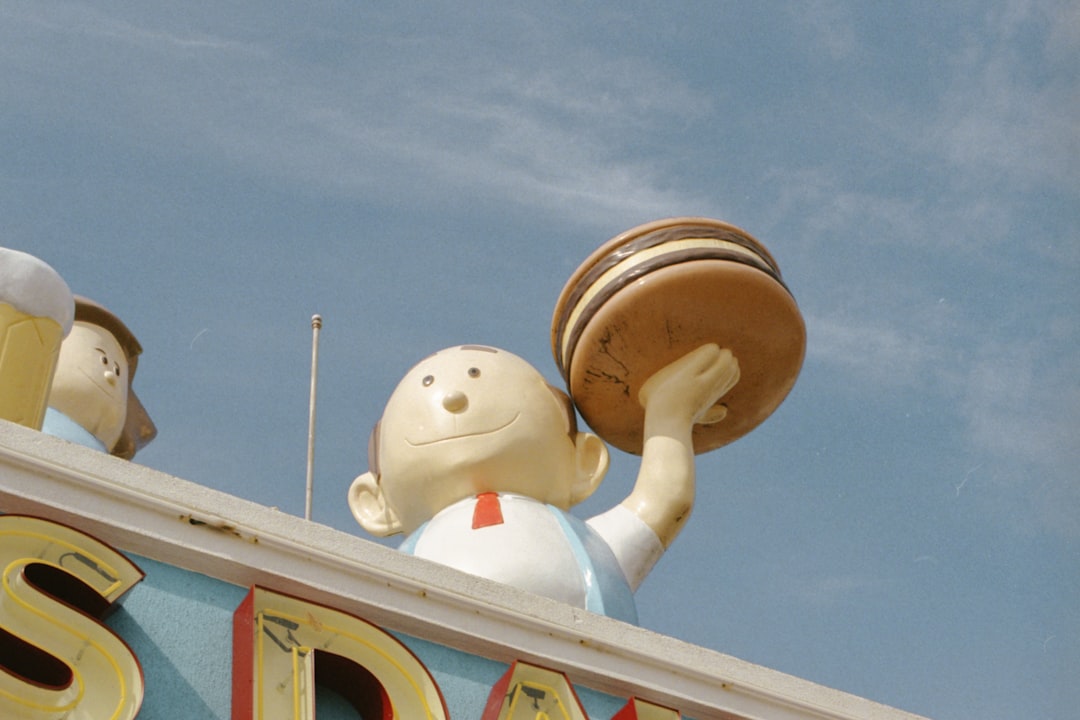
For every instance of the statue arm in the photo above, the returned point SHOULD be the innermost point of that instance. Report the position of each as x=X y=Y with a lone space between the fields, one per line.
x=675 y=398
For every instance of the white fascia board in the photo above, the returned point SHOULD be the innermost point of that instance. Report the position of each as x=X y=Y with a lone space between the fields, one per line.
x=162 y=517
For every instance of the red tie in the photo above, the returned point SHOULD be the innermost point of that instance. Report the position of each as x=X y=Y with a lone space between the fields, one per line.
x=487 y=511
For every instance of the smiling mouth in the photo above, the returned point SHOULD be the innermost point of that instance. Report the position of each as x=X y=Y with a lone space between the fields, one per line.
x=507 y=424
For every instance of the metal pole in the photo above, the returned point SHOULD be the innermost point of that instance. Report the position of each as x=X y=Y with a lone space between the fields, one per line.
x=316 y=324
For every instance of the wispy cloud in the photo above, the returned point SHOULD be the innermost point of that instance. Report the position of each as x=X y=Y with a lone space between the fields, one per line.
x=84 y=22
x=1008 y=115
x=831 y=24
x=874 y=353
x=562 y=143
x=553 y=137
x=1022 y=406
x=831 y=590
x=562 y=134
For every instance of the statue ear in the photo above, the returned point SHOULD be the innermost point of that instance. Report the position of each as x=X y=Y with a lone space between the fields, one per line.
x=591 y=463
x=369 y=507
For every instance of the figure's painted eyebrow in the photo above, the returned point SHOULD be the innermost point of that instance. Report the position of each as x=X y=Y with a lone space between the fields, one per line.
x=101 y=350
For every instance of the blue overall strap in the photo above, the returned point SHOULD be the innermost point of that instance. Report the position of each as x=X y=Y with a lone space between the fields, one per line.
x=606 y=589
x=594 y=599
x=409 y=545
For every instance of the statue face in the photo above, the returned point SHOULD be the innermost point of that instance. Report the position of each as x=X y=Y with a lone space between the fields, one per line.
x=91 y=382
x=469 y=420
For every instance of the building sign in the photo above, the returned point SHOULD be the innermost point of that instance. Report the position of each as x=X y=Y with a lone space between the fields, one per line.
x=60 y=660
x=128 y=593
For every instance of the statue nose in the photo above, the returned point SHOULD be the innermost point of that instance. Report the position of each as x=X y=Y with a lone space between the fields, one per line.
x=455 y=401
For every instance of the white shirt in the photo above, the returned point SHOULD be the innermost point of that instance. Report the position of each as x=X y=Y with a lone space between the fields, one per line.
x=541 y=549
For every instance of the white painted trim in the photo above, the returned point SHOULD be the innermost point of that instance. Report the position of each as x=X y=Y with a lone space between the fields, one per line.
x=150 y=513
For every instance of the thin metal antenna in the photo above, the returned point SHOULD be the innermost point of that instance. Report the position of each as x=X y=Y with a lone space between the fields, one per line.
x=316 y=325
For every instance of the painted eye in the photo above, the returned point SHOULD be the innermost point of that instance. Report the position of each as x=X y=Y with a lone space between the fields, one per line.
x=104 y=359
x=474 y=372
x=428 y=379
x=116 y=369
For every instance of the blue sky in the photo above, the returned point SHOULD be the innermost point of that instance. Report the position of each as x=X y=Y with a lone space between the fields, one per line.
x=905 y=527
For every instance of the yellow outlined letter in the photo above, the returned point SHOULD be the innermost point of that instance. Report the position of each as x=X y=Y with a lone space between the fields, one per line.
x=56 y=659
x=281 y=642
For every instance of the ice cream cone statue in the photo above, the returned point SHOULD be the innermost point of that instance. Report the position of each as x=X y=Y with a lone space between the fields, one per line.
x=92 y=401
x=36 y=313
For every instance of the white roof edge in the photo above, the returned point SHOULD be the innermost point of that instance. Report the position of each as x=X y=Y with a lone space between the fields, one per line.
x=159 y=516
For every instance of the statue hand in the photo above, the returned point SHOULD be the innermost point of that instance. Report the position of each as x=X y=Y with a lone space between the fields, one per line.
x=686 y=390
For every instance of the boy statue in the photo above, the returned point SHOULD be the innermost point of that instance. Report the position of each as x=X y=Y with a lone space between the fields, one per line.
x=478 y=460
x=91 y=401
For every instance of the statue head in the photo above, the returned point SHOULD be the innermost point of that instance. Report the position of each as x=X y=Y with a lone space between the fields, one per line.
x=92 y=383
x=468 y=420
